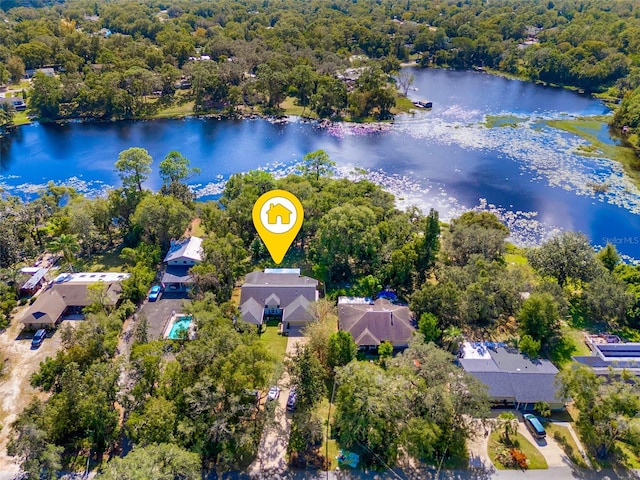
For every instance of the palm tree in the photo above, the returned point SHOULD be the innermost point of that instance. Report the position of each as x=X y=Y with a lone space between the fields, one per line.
x=508 y=423
x=67 y=245
x=452 y=337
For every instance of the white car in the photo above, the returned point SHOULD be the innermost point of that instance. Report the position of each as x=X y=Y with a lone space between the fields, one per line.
x=273 y=394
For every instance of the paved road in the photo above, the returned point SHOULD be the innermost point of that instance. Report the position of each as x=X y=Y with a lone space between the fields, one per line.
x=556 y=473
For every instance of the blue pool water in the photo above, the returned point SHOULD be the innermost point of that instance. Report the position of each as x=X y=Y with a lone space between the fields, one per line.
x=180 y=324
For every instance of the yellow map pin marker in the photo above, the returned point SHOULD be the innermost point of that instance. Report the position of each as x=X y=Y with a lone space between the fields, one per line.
x=277 y=216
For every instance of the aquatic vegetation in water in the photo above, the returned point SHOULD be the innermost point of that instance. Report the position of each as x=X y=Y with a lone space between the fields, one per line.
x=547 y=154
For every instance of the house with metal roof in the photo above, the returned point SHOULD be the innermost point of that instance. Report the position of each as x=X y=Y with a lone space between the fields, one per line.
x=282 y=295
x=33 y=284
x=610 y=353
x=371 y=323
x=513 y=379
x=182 y=255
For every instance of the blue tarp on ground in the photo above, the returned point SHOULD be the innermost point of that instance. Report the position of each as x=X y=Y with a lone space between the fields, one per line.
x=348 y=458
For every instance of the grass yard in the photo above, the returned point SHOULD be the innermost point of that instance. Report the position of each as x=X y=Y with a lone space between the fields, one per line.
x=628 y=458
x=578 y=339
x=175 y=111
x=291 y=108
x=403 y=104
x=564 y=438
x=275 y=343
x=329 y=445
x=536 y=459
x=109 y=261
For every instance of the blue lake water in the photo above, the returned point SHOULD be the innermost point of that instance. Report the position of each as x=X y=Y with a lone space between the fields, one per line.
x=530 y=175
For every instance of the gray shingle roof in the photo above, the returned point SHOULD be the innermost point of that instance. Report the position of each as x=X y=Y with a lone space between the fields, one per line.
x=372 y=324
x=284 y=289
x=510 y=374
x=177 y=274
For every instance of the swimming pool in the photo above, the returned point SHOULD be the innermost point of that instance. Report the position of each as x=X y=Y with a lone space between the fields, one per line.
x=181 y=323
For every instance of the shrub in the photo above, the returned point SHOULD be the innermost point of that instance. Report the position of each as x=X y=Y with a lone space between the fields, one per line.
x=512 y=458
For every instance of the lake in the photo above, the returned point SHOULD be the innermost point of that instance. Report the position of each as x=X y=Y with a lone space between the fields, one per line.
x=484 y=145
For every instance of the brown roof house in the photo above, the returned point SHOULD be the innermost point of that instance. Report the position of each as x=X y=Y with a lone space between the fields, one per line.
x=279 y=294
x=68 y=294
x=370 y=324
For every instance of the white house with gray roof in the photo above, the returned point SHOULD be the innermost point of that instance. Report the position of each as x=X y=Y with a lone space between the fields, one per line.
x=182 y=255
x=278 y=294
x=513 y=379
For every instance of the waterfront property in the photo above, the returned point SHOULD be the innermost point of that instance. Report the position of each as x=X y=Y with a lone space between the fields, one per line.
x=513 y=380
x=180 y=258
x=371 y=323
x=68 y=295
x=609 y=352
x=278 y=294
x=16 y=102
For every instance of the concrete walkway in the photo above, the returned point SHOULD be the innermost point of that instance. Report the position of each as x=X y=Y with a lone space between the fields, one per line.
x=271 y=462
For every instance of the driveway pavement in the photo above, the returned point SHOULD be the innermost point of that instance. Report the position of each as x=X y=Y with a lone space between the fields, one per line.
x=158 y=312
x=271 y=463
x=552 y=452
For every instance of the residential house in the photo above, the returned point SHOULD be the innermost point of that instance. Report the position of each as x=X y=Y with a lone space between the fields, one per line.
x=278 y=294
x=610 y=353
x=68 y=295
x=180 y=258
x=371 y=323
x=513 y=379
x=17 y=102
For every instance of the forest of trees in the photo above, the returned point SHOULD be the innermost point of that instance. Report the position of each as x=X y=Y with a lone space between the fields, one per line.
x=196 y=405
x=123 y=60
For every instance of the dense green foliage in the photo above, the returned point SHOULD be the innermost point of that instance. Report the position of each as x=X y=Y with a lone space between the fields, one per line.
x=117 y=60
x=198 y=397
x=412 y=405
x=608 y=406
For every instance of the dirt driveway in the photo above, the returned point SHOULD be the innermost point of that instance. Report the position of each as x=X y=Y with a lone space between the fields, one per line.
x=20 y=362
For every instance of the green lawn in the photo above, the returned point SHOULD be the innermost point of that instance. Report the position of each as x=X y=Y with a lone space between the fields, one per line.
x=578 y=340
x=536 y=459
x=629 y=458
x=565 y=440
x=108 y=261
x=20 y=118
x=515 y=258
x=329 y=445
x=275 y=343
x=292 y=108
x=403 y=104
x=180 y=110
